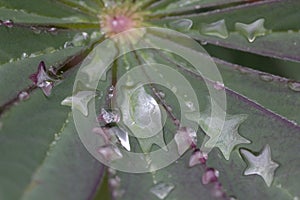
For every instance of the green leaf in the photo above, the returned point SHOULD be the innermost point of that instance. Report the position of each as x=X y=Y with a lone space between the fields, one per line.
x=31 y=154
x=266 y=123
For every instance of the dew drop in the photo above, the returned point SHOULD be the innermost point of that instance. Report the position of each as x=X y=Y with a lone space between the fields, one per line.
x=118 y=193
x=35 y=30
x=8 y=23
x=210 y=175
x=24 y=55
x=295 y=86
x=217 y=29
x=68 y=44
x=253 y=30
x=296 y=198
x=52 y=31
x=190 y=105
x=185 y=138
x=198 y=157
x=110 y=153
x=217 y=191
x=111 y=90
x=219 y=86
x=22 y=96
x=80 y=39
x=162 y=190
x=266 y=77
x=115 y=182
x=232 y=198
x=183 y=25
x=162 y=94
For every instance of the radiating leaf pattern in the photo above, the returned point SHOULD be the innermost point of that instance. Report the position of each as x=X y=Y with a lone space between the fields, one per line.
x=41 y=155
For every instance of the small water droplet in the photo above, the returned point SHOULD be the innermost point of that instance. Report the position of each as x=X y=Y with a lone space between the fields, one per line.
x=266 y=77
x=296 y=198
x=181 y=25
x=24 y=55
x=112 y=171
x=232 y=198
x=115 y=182
x=162 y=190
x=295 y=86
x=162 y=94
x=210 y=175
x=111 y=92
x=68 y=44
x=219 y=86
x=185 y=138
x=35 y=30
x=217 y=191
x=217 y=29
x=253 y=30
x=204 y=42
x=22 y=96
x=110 y=153
x=8 y=23
x=190 y=105
x=118 y=193
x=52 y=31
x=198 y=157
x=80 y=39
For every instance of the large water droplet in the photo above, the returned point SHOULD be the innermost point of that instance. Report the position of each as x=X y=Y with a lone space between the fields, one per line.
x=8 y=23
x=162 y=190
x=295 y=86
x=217 y=28
x=80 y=101
x=108 y=117
x=253 y=30
x=181 y=25
x=261 y=164
x=122 y=137
x=266 y=77
x=210 y=175
x=110 y=153
x=185 y=138
x=22 y=96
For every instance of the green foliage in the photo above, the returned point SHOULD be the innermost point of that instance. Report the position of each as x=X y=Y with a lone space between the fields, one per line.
x=41 y=154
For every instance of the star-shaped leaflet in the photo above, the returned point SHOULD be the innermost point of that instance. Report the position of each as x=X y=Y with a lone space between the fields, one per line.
x=261 y=165
x=229 y=136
